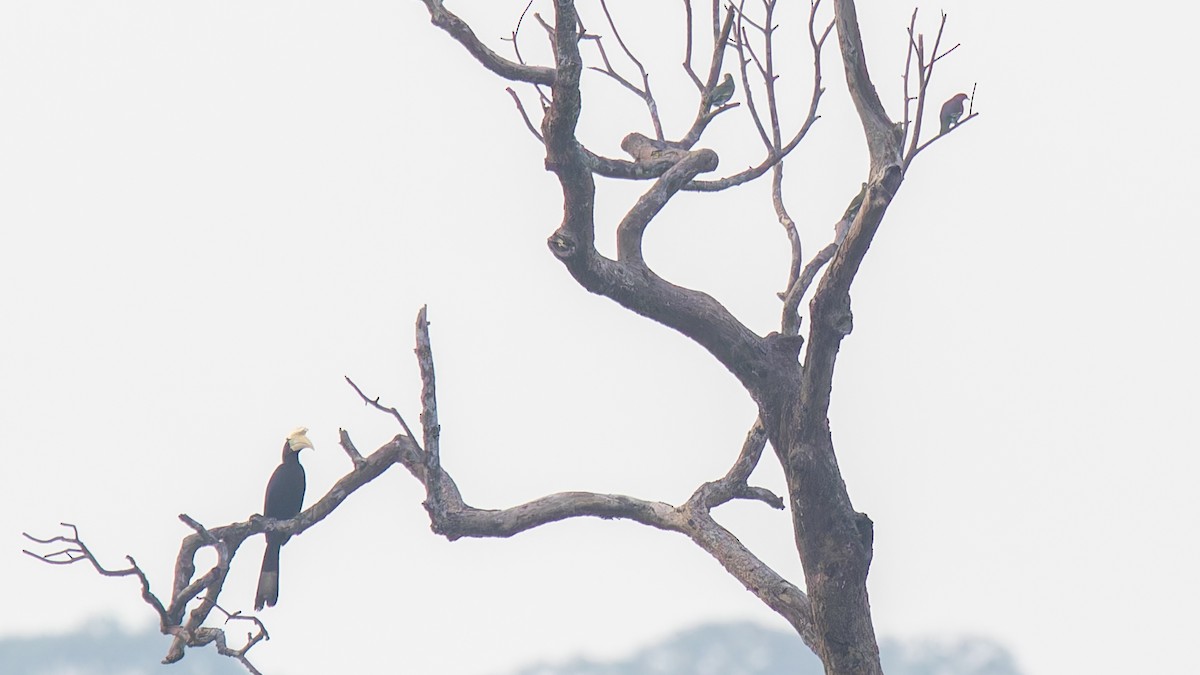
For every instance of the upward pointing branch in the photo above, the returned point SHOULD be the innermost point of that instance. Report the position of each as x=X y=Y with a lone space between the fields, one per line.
x=882 y=141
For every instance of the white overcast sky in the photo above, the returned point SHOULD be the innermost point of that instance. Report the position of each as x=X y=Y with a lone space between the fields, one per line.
x=212 y=211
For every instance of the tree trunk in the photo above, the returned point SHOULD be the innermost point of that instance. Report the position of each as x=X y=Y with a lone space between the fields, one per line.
x=834 y=542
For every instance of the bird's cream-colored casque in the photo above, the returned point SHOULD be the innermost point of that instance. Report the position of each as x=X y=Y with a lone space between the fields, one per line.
x=299 y=439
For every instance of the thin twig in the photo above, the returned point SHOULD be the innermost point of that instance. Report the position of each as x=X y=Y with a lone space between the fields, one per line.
x=374 y=402
x=525 y=116
x=646 y=94
x=743 y=47
x=516 y=32
x=912 y=26
x=751 y=173
x=924 y=76
x=687 y=52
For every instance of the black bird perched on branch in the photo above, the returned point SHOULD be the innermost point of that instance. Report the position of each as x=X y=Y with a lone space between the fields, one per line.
x=285 y=495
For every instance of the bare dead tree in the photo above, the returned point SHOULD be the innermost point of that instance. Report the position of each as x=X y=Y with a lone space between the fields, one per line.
x=790 y=382
x=788 y=378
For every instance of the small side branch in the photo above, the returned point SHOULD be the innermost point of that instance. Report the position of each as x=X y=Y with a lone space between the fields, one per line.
x=252 y=638
x=515 y=39
x=704 y=115
x=524 y=115
x=687 y=52
x=924 y=70
x=770 y=134
x=733 y=484
x=185 y=635
x=795 y=294
x=374 y=403
x=77 y=551
x=642 y=92
x=462 y=33
x=348 y=446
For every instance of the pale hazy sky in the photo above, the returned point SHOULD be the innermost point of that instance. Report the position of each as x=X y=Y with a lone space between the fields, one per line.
x=212 y=211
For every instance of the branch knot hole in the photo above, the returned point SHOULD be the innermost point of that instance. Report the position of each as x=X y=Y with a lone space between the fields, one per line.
x=841 y=319
x=562 y=244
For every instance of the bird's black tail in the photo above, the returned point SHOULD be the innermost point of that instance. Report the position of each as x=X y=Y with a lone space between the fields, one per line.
x=268 y=578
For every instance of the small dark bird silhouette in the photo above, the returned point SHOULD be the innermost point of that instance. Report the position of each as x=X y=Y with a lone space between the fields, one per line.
x=951 y=111
x=721 y=93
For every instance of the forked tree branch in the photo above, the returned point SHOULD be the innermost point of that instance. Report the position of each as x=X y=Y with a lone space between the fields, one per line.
x=192 y=636
x=776 y=151
x=451 y=517
x=924 y=69
x=626 y=170
x=515 y=39
x=642 y=92
x=703 y=114
x=631 y=283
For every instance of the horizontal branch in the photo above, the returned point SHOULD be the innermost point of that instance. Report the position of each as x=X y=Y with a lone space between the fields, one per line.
x=455 y=521
x=451 y=517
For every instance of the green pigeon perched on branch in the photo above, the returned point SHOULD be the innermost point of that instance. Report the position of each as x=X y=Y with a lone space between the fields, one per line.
x=855 y=204
x=721 y=93
x=951 y=111
x=842 y=227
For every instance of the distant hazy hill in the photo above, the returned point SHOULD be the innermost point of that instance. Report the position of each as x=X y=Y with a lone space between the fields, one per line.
x=102 y=648
x=713 y=649
x=749 y=649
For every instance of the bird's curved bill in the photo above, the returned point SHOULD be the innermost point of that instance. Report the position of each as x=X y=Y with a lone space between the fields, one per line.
x=298 y=439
